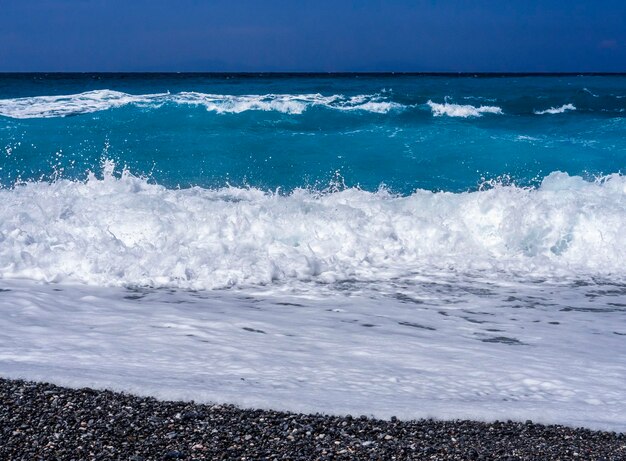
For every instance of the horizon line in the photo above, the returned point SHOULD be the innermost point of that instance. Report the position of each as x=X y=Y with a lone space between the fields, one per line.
x=321 y=73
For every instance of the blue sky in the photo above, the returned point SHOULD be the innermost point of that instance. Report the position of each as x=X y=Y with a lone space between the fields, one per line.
x=320 y=35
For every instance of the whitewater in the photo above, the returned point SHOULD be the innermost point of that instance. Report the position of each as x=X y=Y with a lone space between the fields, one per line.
x=94 y=101
x=125 y=231
x=415 y=246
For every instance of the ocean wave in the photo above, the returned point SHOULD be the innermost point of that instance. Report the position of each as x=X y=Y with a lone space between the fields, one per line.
x=460 y=110
x=99 y=100
x=122 y=230
x=73 y=104
x=556 y=110
x=292 y=104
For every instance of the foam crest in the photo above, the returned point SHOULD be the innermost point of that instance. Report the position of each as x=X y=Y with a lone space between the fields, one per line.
x=99 y=100
x=374 y=103
x=73 y=104
x=126 y=231
x=460 y=110
x=288 y=104
x=556 y=110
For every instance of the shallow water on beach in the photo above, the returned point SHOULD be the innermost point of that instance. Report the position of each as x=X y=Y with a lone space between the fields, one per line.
x=445 y=348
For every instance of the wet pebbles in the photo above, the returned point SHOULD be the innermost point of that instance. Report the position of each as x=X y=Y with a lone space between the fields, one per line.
x=46 y=422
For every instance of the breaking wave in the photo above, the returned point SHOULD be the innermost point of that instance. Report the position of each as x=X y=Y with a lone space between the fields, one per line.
x=99 y=100
x=122 y=230
x=556 y=110
x=459 y=110
x=292 y=104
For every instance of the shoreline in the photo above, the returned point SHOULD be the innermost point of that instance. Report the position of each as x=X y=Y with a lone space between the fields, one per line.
x=45 y=421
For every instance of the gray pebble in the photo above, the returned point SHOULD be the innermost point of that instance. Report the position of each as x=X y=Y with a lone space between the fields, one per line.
x=46 y=422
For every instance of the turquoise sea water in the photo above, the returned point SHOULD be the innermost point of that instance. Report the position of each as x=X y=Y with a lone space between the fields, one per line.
x=313 y=131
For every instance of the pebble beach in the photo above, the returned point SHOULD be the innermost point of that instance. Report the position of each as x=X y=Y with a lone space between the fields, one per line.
x=41 y=421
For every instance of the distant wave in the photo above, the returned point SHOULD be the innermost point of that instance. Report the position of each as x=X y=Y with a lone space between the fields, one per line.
x=99 y=100
x=459 y=110
x=293 y=104
x=556 y=110
x=126 y=231
x=73 y=104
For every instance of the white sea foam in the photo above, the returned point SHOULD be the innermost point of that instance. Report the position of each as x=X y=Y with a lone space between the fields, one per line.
x=508 y=278
x=556 y=110
x=365 y=103
x=460 y=110
x=455 y=347
x=285 y=103
x=99 y=100
x=128 y=232
x=73 y=104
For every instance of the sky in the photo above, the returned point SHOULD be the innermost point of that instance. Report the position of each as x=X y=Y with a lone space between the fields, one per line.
x=309 y=36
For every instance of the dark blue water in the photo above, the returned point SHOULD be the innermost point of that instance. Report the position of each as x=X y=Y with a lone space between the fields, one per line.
x=284 y=132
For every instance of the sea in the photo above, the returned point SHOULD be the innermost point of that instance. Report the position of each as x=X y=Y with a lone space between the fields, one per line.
x=412 y=245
